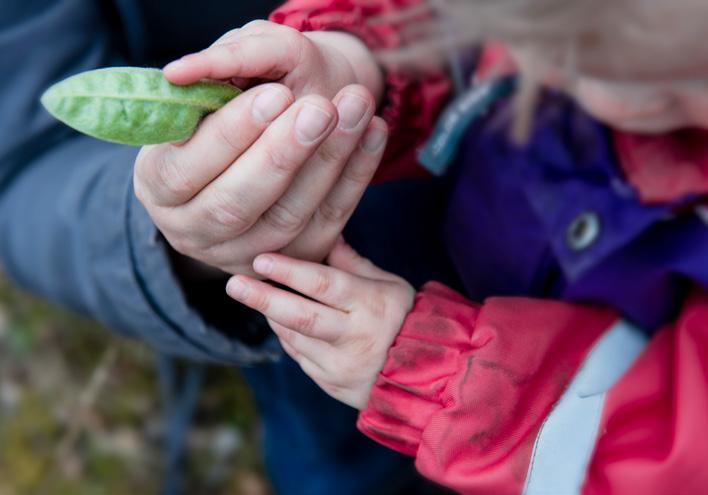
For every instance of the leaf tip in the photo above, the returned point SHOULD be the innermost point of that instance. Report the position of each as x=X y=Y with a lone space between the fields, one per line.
x=48 y=99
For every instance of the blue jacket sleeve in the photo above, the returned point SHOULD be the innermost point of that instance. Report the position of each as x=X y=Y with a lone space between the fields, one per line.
x=71 y=229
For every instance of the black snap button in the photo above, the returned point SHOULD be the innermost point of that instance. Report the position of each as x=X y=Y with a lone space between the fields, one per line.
x=583 y=231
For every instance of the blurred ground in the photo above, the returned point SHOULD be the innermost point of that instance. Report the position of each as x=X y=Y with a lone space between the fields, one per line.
x=79 y=412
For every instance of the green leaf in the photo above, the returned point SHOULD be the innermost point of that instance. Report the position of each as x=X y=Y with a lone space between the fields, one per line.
x=131 y=105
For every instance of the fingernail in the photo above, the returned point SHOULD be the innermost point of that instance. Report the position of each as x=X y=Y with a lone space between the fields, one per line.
x=373 y=139
x=351 y=109
x=236 y=288
x=311 y=123
x=263 y=264
x=269 y=104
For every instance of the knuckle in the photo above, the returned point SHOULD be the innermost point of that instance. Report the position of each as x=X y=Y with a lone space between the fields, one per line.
x=283 y=28
x=330 y=153
x=172 y=179
x=322 y=284
x=361 y=172
x=259 y=301
x=377 y=303
x=284 y=273
x=306 y=322
x=229 y=215
x=290 y=31
x=284 y=219
x=232 y=49
x=332 y=213
x=226 y=130
x=278 y=162
x=296 y=43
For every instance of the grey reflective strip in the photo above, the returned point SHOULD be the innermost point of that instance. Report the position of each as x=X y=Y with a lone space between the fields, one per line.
x=567 y=438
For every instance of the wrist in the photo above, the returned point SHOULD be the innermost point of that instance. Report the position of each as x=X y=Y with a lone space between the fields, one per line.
x=362 y=61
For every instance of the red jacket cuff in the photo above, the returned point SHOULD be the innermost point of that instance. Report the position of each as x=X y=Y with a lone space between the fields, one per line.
x=455 y=358
x=424 y=356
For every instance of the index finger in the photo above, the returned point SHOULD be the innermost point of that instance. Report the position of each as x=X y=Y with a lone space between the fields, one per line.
x=175 y=173
x=262 y=55
x=325 y=284
x=293 y=311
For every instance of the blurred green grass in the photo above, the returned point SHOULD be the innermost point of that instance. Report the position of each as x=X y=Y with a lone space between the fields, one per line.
x=80 y=412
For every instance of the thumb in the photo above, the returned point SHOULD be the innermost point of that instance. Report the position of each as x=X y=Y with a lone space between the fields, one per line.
x=345 y=258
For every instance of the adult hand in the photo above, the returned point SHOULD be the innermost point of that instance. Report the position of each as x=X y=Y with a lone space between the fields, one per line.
x=263 y=174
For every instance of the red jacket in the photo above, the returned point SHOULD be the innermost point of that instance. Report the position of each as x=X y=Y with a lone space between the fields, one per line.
x=536 y=396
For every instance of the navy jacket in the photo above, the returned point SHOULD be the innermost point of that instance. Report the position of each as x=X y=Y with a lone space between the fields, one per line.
x=71 y=229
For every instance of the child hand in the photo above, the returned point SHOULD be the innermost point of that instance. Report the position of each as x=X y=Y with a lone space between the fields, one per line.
x=319 y=62
x=341 y=337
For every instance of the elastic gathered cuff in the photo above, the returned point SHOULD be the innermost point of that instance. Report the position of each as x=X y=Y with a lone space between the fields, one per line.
x=424 y=357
